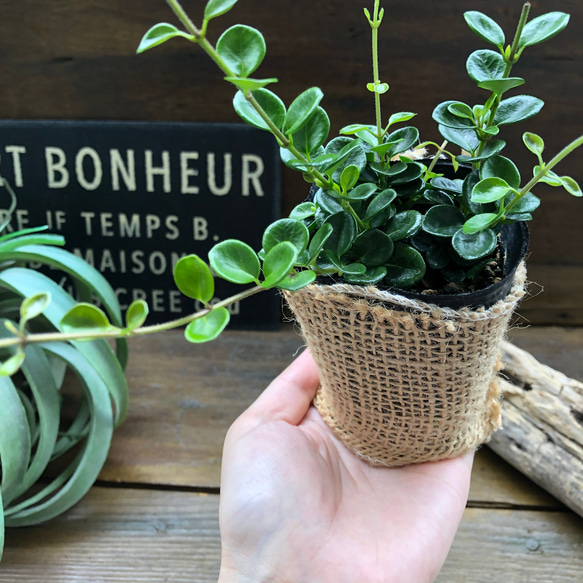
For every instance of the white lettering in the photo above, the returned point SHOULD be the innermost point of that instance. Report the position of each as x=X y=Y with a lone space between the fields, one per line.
x=152 y=171
x=55 y=160
x=248 y=175
x=200 y=231
x=185 y=172
x=15 y=151
x=227 y=174
x=126 y=169
x=97 y=169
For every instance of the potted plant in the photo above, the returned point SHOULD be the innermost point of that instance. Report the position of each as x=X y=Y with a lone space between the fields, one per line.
x=405 y=261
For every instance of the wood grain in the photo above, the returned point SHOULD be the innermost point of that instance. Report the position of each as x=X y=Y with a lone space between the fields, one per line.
x=120 y=535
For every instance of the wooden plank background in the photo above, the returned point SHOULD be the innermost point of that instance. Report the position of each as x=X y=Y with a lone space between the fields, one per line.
x=76 y=60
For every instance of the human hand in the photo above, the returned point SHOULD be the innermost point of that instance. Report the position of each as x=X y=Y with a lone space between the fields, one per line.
x=297 y=506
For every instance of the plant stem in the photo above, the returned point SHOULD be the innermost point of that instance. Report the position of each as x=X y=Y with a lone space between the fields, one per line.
x=375 y=68
x=119 y=333
x=543 y=171
x=440 y=151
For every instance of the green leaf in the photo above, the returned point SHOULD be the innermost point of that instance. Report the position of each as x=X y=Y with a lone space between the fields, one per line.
x=406 y=267
x=571 y=186
x=248 y=84
x=550 y=177
x=235 y=261
x=85 y=318
x=517 y=108
x=491 y=148
x=479 y=222
x=372 y=248
x=404 y=224
x=270 y=103
x=379 y=88
x=289 y=230
x=357 y=128
x=486 y=28
x=349 y=177
x=466 y=139
x=485 y=65
x=194 y=278
x=343 y=268
x=404 y=138
x=318 y=240
x=400 y=117
x=501 y=167
x=297 y=281
x=136 y=314
x=490 y=190
x=369 y=277
x=278 y=263
x=34 y=306
x=443 y=116
x=12 y=365
x=159 y=34
x=208 y=327
x=542 y=28
x=362 y=191
x=474 y=246
x=301 y=109
x=442 y=220
x=379 y=203
x=242 y=48
x=500 y=86
x=343 y=234
x=460 y=109
x=534 y=143
x=528 y=203
x=215 y=8
x=314 y=133
x=302 y=211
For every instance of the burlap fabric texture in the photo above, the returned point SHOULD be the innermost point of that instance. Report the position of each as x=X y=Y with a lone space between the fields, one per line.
x=403 y=381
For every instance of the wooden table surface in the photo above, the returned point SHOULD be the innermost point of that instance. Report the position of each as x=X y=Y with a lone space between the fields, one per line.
x=152 y=516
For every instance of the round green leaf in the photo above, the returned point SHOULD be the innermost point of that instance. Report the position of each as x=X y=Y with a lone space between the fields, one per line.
x=34 y=306
x=486 y=28
x=242 y=48
x=372 y=248
x=235 y=261
x=490 y=190
x=491 y=148
x=269 y=102
x=379 y=203
x=517 y=108
x=369 y=277
x=528 y=203
x=159 y=34
x=344 y=231
x=542 y=28
x=476 y=245
x=208 y=327
x=500 y=167
x=406 y=267
x=404 y=224
x=533 y=142
x=400 y=117
x=460 y=109
x=443 y=220
x=443 y=116
x=301 y=109
x=314 y=133
x=479 y=222
x=250 y=84
x=278 y=263
x=318 y=240
x=194 y=278
x=85 y=318
x=215 y=8
x=485 y=65
x=136 y=314
x=302 y=211
x=349 y=177
x=404 y=138
x=362 y=191
x=295 y=232
x=571 y=186
x=500 y=86
x=12 y=365
x=297 y=281
x=466 y=139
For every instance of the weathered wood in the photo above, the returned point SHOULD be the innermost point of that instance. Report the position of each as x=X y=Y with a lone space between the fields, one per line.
x=542 y=432
x=120 y=535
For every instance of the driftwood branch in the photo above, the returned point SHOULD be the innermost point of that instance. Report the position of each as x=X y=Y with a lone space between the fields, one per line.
x=542 y=426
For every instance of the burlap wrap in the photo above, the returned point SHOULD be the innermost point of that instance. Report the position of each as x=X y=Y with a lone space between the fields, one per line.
x=404 y=381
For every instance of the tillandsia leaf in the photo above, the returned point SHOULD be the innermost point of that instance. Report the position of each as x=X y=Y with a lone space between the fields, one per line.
x=314 y=133
x=443 y=116
x=542 y=28
x=517 y=108
x=485 y=65
x=248 y=84
x=571 y=186
x=349 y=177
x=490 y=190
x=9 y=244
x=242 y=48
x=474 y=246
x=86 y=319
x=319 y=240
x=12 y=365
x=371 y=276
x=491 y=148
x=442 y=220
x=301 y=109
x=268 y=101
x=194 y=279
x=34 y=306
x=296 y=281
x=486 y=28
x=480 y=222
x=208 y=327
x=344 y=231
x=302 y=211
x=460 y=109
x=291 y=230
x=534 y=143
x=372 y=248
x=278 y=263
x=216 y=8
x=235 y=261
x=159 y=34
x=405 y=268
x=501 y=167
x=500 y=86
x=404 y=224
x=23 y=232
x=136 y=315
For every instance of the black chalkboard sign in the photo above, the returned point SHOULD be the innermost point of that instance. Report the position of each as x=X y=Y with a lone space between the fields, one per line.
x=133 y=197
